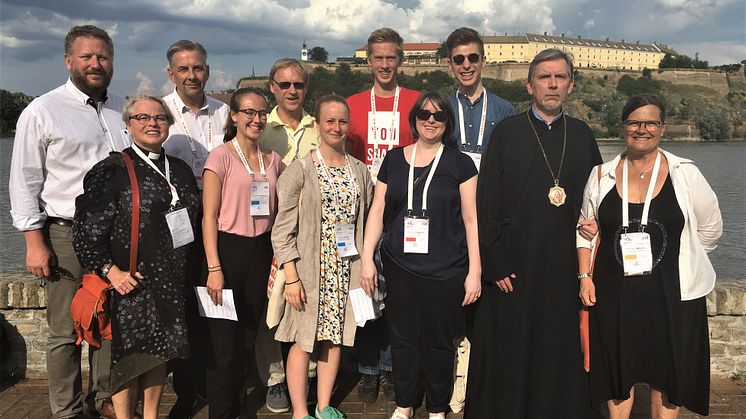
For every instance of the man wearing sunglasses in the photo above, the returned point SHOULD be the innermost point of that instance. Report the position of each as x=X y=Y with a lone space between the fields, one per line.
x=477 y=110
x=290 y=131
x=197 y=129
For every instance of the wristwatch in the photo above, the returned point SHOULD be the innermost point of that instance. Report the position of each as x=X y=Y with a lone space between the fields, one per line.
x=105 y=270
x=584 y=275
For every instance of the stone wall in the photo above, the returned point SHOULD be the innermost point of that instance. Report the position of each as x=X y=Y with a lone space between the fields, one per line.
x=23 y=311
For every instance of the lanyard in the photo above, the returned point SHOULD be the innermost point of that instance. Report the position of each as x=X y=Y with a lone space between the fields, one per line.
x=648 y=196
x=167 y=176
x=410 y=184
x=246 y=163
x=105 y=125
x=186 y=130
x=393 y=114
x=296 y=136
x=335 y=186
x=482 y=122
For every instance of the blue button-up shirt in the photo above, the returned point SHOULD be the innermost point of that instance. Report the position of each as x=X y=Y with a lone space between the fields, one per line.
x=497 y=110
x=541 y=118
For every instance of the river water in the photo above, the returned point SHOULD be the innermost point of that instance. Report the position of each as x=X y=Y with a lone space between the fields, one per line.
x=723 y=165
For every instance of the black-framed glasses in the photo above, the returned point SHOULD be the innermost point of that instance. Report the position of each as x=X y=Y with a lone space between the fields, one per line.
x=424 y=115
x=251 y=113
x=285 y=85
x=460 y=58
x=143 y=118
x=633 y=125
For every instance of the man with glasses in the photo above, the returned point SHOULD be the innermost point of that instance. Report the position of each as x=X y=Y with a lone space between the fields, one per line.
x=529 y=194
x=290 y=131
x=477 y=110
x=59 y=137
x=379 y=122
x=197 y=129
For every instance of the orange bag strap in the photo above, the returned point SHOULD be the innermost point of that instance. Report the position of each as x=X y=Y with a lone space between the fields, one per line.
x=135 y=212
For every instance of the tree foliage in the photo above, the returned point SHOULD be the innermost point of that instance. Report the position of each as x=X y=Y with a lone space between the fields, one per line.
x=713 y=125
x=318 y=54
x=682 y=61
x=11 y=106
x=643 y=85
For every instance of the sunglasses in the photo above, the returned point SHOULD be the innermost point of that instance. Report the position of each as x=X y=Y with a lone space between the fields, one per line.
x=424 y=115
x=284 y=85
x=459 y=59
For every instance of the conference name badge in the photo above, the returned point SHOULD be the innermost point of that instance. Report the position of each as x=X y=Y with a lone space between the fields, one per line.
x=637 y=255
x=180 y=227
x=345 y=239
x=416 y=235
x=259 y=199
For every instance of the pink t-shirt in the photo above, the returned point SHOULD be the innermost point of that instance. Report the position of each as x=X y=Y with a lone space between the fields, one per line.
x=234 y=215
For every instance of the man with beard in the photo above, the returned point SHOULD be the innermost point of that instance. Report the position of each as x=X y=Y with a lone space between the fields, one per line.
x=525 y=355
x=198 y=128
x=59 y=137
x=477 y=110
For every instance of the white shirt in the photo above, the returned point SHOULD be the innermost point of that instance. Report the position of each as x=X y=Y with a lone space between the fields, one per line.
x=59 y=137
x=703 y=223
x=208 y=121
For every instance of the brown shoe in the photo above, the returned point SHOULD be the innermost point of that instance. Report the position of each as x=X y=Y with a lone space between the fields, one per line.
x=107 y=410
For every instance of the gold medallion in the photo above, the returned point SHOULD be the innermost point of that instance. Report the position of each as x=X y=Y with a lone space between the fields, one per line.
x=557 y=195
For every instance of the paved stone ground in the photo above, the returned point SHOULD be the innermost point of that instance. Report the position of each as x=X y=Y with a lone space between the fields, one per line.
x=28 y=399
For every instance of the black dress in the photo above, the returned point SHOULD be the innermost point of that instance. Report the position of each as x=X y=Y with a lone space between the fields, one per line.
x=148 y=324
x=640 y=330
x=525 y=357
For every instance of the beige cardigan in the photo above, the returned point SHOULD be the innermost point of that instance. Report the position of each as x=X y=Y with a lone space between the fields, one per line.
x=296 y=235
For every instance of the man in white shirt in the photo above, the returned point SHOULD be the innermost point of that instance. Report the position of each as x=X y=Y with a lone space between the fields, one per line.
x=59 y=137
x=198 y=128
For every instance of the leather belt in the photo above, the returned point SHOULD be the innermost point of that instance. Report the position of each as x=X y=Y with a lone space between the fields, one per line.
x=60 y=221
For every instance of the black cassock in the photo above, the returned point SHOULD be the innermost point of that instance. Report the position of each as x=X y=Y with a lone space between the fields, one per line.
x=525 y=360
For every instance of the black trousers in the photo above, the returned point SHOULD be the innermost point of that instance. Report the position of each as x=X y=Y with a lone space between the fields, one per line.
x=245 y=264
x=425 y=319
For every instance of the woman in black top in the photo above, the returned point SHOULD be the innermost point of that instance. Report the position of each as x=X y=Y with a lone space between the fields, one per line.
x=427 y=210
x=147 y=310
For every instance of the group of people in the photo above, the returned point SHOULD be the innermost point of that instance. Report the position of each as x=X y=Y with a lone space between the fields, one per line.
x=437 y=206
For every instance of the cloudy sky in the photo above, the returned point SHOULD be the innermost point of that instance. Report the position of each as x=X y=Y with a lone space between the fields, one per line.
x=246 y=35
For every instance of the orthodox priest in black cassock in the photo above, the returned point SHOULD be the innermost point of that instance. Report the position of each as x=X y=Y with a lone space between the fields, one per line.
x=526 y=360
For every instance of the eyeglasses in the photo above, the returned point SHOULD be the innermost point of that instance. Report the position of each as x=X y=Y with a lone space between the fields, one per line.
x=424 y=115
x=251 y=113
x=633 y=125
x=144 y=119
x=285 y=85
x=460 y=58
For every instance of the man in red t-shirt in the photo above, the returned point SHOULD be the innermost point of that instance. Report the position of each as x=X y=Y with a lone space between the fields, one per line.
x=379 y=116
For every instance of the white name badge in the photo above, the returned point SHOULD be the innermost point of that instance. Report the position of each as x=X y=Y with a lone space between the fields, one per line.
x=375 y=167
x=180 y=226
x=475 y=157
x=637 y=255
x=345 y=239
x=416 y=235
x=259 y=198
x=386 y=125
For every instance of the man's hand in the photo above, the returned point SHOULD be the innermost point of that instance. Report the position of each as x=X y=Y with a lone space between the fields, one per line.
x=506 y=284
x=40 y=259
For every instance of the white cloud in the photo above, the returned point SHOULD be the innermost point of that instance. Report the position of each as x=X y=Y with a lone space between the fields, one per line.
x=167 y=87
x=145 y=87
x=220 y=80
x=589 y=23
x=716 y=53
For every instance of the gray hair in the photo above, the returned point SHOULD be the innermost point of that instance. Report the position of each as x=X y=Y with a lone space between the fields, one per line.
x=127 y=112
x=185 y=45
x=550 y=54
x=284 y=63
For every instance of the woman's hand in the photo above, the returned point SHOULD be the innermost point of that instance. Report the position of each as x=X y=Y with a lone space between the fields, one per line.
x=587 y=292
x=215 y=284
x=368 y=276
x=473 y=288
x=588 y=228
x=295 y=294
x=506 y=284
x=122 y=281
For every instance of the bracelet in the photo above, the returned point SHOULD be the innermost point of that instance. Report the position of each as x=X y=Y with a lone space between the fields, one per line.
x=291 y=283
x=584 y=275
x=213 y=266
x=217 y=269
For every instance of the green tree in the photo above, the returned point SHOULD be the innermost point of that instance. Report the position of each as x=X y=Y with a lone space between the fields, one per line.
x=713 y=125
x=442 y=50
x=318 y=54
x=631 y=87
x=11 y=106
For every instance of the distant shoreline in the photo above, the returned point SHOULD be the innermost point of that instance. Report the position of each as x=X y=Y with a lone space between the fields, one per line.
x=679 y=140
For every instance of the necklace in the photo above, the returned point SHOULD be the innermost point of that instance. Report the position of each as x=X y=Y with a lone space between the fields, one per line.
x=557 y=194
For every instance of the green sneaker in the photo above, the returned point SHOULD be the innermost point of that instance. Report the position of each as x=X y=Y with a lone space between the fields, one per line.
x=329 y=413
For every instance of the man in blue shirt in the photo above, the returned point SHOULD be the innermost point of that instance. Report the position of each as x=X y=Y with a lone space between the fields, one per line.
x=477 y=110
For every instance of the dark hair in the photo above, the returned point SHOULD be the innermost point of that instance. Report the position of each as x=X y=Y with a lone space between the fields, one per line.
x=550 y=54
x=283 y=63
x=230 y=129
x=636 y=102
x=436 y=99
x=329 y=99
x=185 y=45
x=88 y=31
x=464 y=36
x=382 y=35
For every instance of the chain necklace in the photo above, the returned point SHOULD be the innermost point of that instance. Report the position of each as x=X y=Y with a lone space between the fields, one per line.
x=557 y=194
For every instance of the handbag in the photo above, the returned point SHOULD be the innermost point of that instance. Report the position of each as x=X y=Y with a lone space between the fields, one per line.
x=275 y=294
x=460 y=372
x=90 y=305
x=585 y=338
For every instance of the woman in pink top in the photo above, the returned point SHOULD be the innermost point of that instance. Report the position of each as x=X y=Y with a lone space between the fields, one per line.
x=239 y=204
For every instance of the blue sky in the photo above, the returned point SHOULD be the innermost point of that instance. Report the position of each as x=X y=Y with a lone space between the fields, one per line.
x=242 y=35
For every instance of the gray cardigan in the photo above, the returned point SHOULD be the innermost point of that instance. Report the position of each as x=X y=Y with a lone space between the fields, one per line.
x=296 y=235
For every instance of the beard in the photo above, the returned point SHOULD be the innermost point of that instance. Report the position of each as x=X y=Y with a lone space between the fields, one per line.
x=91 y=87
